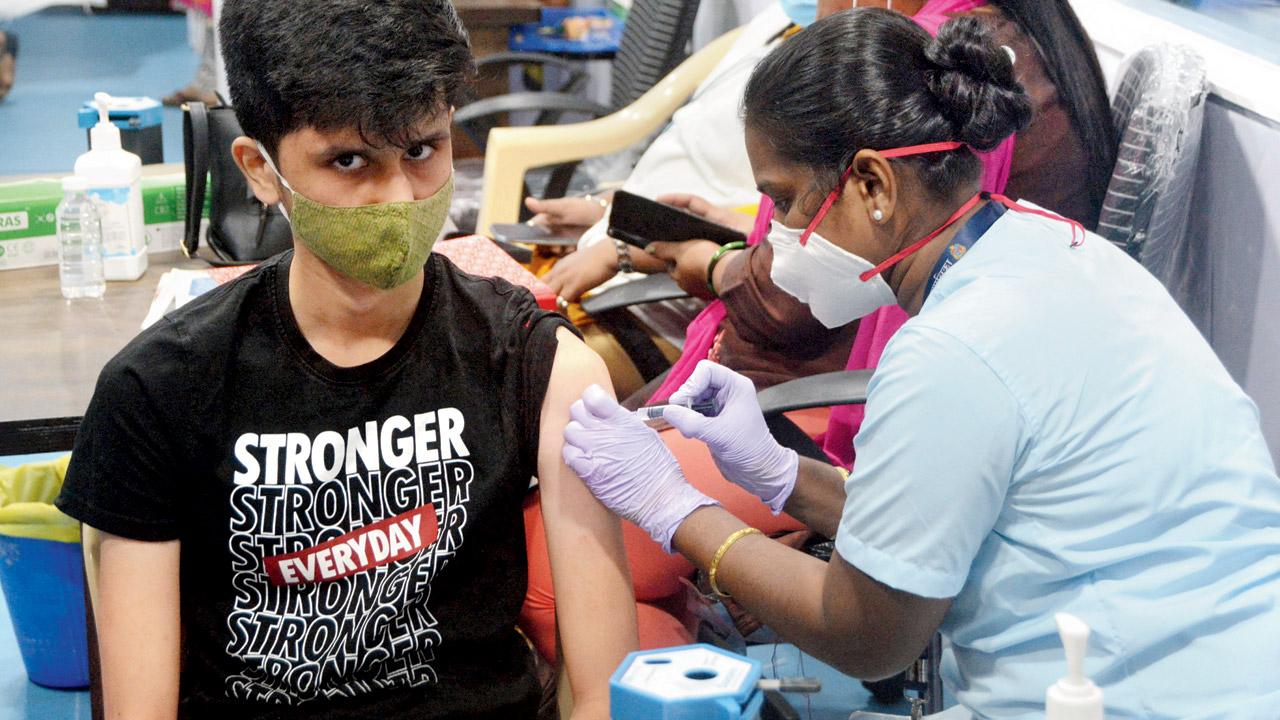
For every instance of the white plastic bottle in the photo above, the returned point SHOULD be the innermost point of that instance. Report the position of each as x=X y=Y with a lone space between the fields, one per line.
x=1074 y=697
x=79 y=242
x=114 y=177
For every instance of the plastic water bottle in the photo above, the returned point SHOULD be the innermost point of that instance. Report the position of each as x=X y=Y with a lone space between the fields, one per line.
x=79 y=241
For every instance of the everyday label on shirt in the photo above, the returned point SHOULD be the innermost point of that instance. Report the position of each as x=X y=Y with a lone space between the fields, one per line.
x=335 y=540
x=385 y=541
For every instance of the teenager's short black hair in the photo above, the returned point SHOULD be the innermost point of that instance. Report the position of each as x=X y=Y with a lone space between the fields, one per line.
x=329 y=64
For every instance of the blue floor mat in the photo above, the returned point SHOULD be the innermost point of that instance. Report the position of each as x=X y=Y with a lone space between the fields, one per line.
x=65 y=57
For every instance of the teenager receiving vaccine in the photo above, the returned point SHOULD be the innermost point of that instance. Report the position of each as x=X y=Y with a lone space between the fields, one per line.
x=303 y=490
x=1047 y=433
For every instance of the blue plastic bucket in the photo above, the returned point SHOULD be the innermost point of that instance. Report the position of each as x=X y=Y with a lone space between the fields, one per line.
x=43 y=583
x=42 y=577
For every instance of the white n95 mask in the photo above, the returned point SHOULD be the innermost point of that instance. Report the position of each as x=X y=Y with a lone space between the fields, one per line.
x=825 y=277
x=838 y=286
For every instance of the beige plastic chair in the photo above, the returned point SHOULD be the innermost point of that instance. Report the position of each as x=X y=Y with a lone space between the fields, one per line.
x=513 y=151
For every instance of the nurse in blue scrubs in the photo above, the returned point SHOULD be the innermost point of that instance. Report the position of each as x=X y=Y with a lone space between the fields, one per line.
x=1049 y=432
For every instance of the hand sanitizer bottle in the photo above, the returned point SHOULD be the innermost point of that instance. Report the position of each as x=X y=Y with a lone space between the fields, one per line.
x=114 y=178
x=1074 y=697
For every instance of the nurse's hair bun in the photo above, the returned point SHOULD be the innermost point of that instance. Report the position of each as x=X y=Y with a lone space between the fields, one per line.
x=971 y=77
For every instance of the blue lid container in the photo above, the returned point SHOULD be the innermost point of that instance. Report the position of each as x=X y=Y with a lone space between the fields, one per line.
x=139 y=120
x=126 y=113
x=690 y=682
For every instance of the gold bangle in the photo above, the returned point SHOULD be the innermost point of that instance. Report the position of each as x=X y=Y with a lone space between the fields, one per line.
x=844 y=474
x=724 y=548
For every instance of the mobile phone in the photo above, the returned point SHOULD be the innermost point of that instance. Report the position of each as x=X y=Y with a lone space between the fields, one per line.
x=531 y=234
x=639 y=221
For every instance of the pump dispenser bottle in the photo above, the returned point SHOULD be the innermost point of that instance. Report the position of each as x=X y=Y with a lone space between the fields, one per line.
x=114 y=179
x=1074 y=697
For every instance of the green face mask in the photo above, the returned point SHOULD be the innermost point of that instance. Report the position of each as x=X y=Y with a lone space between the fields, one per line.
x=382 y=245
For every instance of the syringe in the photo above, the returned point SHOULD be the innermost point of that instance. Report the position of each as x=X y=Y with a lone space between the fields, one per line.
x=652 y=414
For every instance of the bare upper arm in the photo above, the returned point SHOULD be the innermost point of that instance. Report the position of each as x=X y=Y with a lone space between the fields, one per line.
x=576 y=366
x=892 y=627
x=595 y=608
x=134 y=588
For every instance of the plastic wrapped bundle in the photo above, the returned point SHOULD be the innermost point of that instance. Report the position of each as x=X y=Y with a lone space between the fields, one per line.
x=1158 y=112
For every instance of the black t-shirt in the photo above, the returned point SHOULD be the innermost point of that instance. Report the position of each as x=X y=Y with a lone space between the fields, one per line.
x=352 y=538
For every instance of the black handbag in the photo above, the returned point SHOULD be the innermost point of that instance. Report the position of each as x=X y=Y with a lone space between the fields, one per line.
x=241 y=229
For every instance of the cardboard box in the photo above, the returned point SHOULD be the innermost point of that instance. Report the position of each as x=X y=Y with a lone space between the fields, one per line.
x=28 y=231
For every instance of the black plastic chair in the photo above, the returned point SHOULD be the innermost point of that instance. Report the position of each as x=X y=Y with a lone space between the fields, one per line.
x=610 y=309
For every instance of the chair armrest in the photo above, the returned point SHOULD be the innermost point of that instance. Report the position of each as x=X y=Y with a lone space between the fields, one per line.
x=527 y=58
x=846 y=387
x=654 y=288
x=549 y=106
x=512 y=151
x=577 y=76
x=520 y=101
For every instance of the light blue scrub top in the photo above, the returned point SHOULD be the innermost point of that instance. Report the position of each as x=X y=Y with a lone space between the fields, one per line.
x=1052 y=433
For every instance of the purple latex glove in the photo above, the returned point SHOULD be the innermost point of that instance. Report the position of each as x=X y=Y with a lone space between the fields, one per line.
x=627 y=466
x=738 y=437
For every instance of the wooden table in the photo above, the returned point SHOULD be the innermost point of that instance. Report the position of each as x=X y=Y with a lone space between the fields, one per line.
x=484 y=14
x=53 y=349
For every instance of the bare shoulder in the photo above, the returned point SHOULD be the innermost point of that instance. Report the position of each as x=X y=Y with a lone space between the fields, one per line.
x=575 y=363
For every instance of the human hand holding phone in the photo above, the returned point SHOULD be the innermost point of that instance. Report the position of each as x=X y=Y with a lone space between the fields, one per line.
x=639 y=221
x=561 y=214
x=704 y=208
x=687 y=263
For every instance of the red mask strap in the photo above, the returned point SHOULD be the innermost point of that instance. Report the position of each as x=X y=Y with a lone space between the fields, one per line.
x=1014 y=206
x=826 y=205
x=916 y=246
x=844 y=178
x=921 y=149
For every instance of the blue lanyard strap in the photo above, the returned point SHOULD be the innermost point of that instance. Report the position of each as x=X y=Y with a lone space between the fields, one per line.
x=969 y=233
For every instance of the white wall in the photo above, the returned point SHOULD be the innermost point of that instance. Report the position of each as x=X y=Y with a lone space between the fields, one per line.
x=1236 y=208
x=717 y=17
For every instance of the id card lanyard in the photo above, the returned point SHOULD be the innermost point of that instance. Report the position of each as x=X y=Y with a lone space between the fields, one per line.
x=966 y=237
